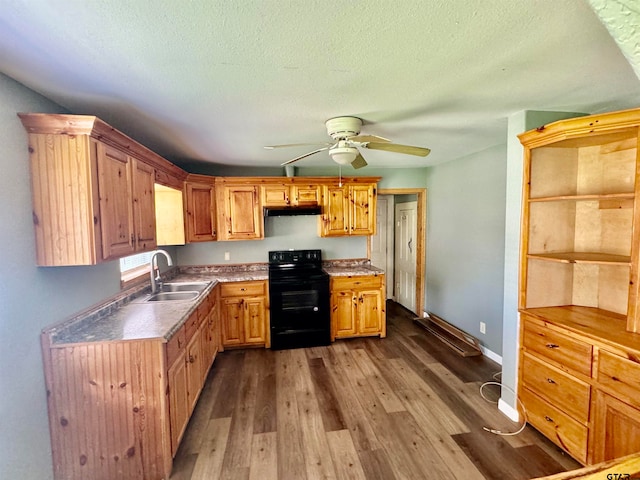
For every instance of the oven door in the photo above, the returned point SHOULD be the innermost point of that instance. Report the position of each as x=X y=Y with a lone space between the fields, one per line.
x=299 y=312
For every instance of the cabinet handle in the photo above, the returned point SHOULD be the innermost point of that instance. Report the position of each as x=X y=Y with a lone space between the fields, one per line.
x=550 y=380
x=243 y=289
x=552 y=345
x=548 y=419
x=191 y=359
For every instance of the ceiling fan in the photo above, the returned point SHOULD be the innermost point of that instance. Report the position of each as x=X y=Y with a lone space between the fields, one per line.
x=345 y=131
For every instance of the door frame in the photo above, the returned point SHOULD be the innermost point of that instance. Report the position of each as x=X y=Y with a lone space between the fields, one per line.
x=421 y=194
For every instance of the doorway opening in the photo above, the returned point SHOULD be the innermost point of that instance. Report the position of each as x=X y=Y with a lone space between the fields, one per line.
x=399 y=245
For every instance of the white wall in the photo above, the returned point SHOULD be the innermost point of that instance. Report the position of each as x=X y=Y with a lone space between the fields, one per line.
x=465 y=243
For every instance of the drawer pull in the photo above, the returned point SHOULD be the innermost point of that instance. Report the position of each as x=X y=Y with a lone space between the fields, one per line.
x=552 y=345
x=550 y=380
x=548 y=419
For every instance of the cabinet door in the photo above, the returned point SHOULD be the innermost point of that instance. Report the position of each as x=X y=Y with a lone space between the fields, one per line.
x=116 y=205
x=363 y=212
x=254 y=320
x=305 y=194
x=335 y=218
x=194 y=369
x=275 y=196
x=369 y=312
x=343 y=313
x=178 y=402
x=242 y=213
x=616 y=428
x=144 y=212
x=201 y=219
x=232 y=321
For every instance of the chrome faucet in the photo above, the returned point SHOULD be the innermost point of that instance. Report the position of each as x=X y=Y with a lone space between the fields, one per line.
x=156 y=281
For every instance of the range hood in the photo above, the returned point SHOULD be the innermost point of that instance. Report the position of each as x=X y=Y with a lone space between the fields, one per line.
x=290 y=211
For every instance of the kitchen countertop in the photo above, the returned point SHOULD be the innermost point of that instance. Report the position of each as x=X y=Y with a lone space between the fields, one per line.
x=127 y=317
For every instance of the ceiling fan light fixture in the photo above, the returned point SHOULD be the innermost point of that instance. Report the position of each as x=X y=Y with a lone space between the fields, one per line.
x=343 y=155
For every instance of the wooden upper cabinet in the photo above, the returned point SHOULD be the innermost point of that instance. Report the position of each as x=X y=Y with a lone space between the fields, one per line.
x=92 y=187
x=282 y=195
x=116 y=202
x=239 y=212
x=348 y=210
x=200 y=210
x=144 y=213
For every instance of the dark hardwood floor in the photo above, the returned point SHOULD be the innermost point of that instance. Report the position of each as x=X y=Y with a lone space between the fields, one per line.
x=403 y=407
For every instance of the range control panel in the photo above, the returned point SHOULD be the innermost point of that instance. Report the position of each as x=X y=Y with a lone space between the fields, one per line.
x=295 y=256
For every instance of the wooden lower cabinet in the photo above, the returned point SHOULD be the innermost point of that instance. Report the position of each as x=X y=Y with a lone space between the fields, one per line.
x=357 y=306
x=616 y=428
x=578 y=392
x=244 y=314
x=119 y=409
x=178 y=400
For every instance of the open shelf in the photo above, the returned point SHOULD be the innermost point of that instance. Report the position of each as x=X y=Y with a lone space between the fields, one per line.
x=583 y=257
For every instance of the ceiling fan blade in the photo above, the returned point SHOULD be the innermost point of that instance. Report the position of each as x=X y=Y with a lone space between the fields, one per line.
x=394 y=147
x=303 y=156
x=271 y=147
x=368 y=138
x=359 y=162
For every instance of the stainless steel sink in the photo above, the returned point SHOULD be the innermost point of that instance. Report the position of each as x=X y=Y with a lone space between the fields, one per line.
x=177 y=292
x=172 y=296
x=184 y=286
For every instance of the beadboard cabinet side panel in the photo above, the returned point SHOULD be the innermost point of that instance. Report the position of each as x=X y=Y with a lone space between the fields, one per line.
x=63 y=182
x=108 y=411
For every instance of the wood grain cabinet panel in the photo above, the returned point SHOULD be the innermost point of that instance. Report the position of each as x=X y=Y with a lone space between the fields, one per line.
x=357 y=306
x=283 y=195
x=556 y=425
x=244 y=314
x=240 y=212
x=348 y=210
x=119 y=409
x=579 y=282
x=558 y=348
x=570 y=394
x=200 y=206
x=93 y=195
x=616 y=428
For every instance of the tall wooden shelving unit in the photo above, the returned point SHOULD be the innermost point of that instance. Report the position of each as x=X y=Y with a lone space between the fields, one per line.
x=580 y=243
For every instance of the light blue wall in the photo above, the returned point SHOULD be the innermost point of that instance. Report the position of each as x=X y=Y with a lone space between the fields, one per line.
x=517 y=123
x=30 y=297
x=465 y=243
x=281 y=233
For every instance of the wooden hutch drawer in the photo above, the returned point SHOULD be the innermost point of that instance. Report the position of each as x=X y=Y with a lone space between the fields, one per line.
x=557 y=426
x=243 y=289
x=620 y=375
x=557 y=347
x=566 y=392
x=175 y=345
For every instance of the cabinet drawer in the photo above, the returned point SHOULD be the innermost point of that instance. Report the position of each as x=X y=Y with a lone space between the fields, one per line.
x=557 y=347
x=557 y=426
x=175 y=345
x=243 y=289
x=369 y=281
x=557 y=387
x=619 y=375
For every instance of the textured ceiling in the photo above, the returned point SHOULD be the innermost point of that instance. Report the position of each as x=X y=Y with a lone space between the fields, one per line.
x=215 y=81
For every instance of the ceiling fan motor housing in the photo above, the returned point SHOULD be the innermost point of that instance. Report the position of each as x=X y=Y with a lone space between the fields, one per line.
x=343 y=127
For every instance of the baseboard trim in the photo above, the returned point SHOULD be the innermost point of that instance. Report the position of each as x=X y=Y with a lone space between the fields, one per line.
x=491 y=355
x=510 y=412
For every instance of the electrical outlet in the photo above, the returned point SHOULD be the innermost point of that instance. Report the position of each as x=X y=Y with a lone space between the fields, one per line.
x=483 y=327
x=227 y=255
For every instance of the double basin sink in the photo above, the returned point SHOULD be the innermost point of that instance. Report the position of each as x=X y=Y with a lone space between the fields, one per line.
x=177 y=291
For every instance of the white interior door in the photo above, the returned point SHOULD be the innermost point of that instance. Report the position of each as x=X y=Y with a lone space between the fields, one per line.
x=405 y=254
x=382 y=241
